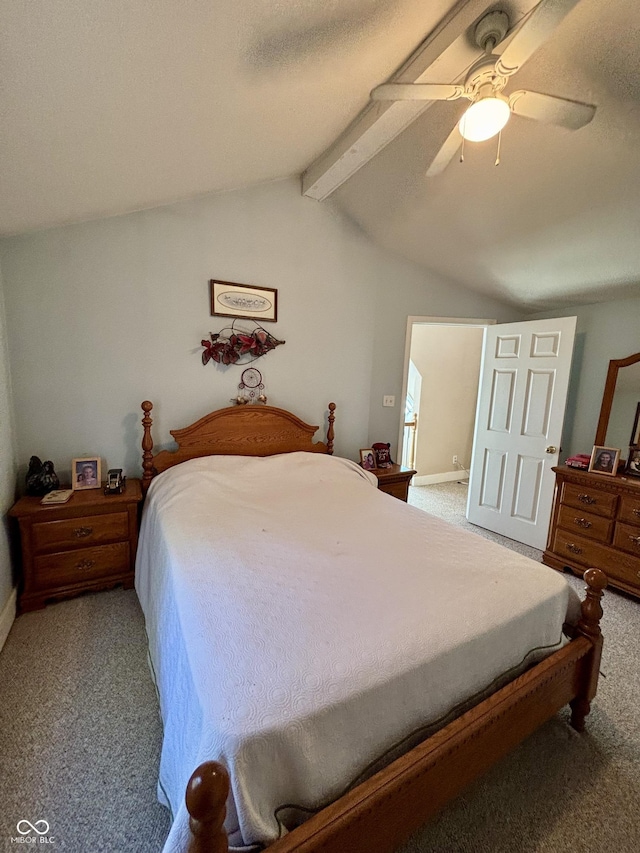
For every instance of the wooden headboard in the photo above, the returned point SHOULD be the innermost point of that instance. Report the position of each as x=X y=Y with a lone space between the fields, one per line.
x=233 y=431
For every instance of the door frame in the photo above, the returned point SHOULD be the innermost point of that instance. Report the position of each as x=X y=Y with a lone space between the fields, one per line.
x=428 y=321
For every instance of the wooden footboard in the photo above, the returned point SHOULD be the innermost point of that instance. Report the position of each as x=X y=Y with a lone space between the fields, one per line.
x=383 y=811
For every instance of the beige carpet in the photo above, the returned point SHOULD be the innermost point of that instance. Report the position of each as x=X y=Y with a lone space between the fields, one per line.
x=80 y=739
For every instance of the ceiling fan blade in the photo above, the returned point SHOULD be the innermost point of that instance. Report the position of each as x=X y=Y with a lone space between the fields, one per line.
x=533 y=33
x=446 y=154
x=417 y=92
x=551 y=110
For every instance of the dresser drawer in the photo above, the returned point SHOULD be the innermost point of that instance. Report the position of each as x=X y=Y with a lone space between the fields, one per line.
x=627 y=537
x=79 y=532
x=630 y=509
x=585 y=523
x=589 y=499
x=586 y=552
x=80 y=565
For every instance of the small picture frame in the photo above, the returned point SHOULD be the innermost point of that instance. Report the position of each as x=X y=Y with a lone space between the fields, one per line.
x=632 y=468
x=368 y=459
x=229 y=299
x=635 y=433
x=604 y=460
x=86 y=473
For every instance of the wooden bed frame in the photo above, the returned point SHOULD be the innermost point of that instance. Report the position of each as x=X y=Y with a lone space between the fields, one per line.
x=382 y=812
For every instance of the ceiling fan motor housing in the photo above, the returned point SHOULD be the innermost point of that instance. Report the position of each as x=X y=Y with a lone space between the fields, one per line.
x=482 y=74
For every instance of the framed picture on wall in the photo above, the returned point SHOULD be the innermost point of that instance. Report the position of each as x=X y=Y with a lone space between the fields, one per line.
x=604 y=460
x=229 y=299
x=86 y=472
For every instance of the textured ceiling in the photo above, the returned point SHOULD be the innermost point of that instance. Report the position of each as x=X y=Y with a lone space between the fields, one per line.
x=107 y=107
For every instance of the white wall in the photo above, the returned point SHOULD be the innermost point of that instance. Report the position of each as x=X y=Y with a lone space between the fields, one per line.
x=448 y=358
x=7 y=481
x=604 y=331
x=105 y=314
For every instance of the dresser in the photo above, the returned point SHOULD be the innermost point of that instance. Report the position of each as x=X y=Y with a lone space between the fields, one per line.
x=88 y=543
x=394 y=480
x=596 y=524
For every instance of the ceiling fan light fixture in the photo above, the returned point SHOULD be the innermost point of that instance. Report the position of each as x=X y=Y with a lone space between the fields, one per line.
x=484 y=118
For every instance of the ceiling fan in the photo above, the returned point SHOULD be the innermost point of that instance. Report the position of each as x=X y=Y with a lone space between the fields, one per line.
x=490 y=109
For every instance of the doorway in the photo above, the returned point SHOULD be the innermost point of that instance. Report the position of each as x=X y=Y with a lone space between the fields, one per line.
x=442 y=367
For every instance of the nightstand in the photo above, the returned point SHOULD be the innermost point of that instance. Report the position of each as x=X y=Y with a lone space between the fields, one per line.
x=88 y=543
x=394 y=480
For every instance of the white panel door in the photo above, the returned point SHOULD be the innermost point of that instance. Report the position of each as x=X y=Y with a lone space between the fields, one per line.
x=521 y=401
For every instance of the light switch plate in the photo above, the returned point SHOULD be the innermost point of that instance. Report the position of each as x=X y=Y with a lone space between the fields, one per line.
x=388 y=400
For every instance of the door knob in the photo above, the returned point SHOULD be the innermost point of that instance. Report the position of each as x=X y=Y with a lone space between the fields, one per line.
x=551 y=449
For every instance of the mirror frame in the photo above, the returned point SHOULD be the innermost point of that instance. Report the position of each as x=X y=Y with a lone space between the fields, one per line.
x=609 y=391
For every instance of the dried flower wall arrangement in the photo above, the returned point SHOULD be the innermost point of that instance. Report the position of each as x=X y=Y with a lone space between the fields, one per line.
x=238 y=346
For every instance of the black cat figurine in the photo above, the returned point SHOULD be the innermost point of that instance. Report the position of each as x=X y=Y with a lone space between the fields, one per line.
x=41 y=478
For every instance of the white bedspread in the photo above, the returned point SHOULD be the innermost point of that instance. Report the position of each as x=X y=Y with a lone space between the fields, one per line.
x=301 y=623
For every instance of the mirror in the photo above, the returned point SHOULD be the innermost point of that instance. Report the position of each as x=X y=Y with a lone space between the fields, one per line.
x=619 y=403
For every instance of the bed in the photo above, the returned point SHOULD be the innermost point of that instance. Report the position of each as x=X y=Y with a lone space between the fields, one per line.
x=332 y=685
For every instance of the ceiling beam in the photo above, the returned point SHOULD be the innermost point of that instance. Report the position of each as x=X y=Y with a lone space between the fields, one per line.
x=442 y=58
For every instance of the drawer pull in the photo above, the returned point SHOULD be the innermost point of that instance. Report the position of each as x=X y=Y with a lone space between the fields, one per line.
x=586 y=499
x=582 y=522
x=85 y=564
x=573 y=548
x=82 y=532
x=636 y=511
x=635 y=540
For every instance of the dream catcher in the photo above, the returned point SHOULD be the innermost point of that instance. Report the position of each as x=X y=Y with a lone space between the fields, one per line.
x=250 y=387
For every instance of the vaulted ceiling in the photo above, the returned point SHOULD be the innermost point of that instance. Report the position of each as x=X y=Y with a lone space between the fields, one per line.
x=111 y=107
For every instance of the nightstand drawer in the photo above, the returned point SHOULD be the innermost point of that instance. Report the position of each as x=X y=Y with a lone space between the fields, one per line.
x=630 y=509
x=397 y=490
x=594 y=526
x=589 y=499
x=79 y=532
x=80 y=565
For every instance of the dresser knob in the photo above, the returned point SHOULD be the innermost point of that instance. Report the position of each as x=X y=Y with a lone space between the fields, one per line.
x=82 y=532
x=637 y=511
x=582 y=522
x=635 y=540
x=573 y=548
x=586 y=499
x=85 y=564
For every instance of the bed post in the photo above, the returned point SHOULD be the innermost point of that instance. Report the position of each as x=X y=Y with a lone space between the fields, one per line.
x=330 y=432
x=147 y=447
x=206 y=800
x=589 y=627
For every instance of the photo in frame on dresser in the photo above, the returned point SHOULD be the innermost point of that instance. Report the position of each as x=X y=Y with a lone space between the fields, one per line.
x=632 y=468
x=604 y=460
x=85 y=473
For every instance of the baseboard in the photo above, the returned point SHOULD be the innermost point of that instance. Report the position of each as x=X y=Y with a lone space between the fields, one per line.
x=431 y=479
x=7 y=616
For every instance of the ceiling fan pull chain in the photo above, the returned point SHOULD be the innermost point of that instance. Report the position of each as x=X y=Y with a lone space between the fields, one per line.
x=497 y=163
